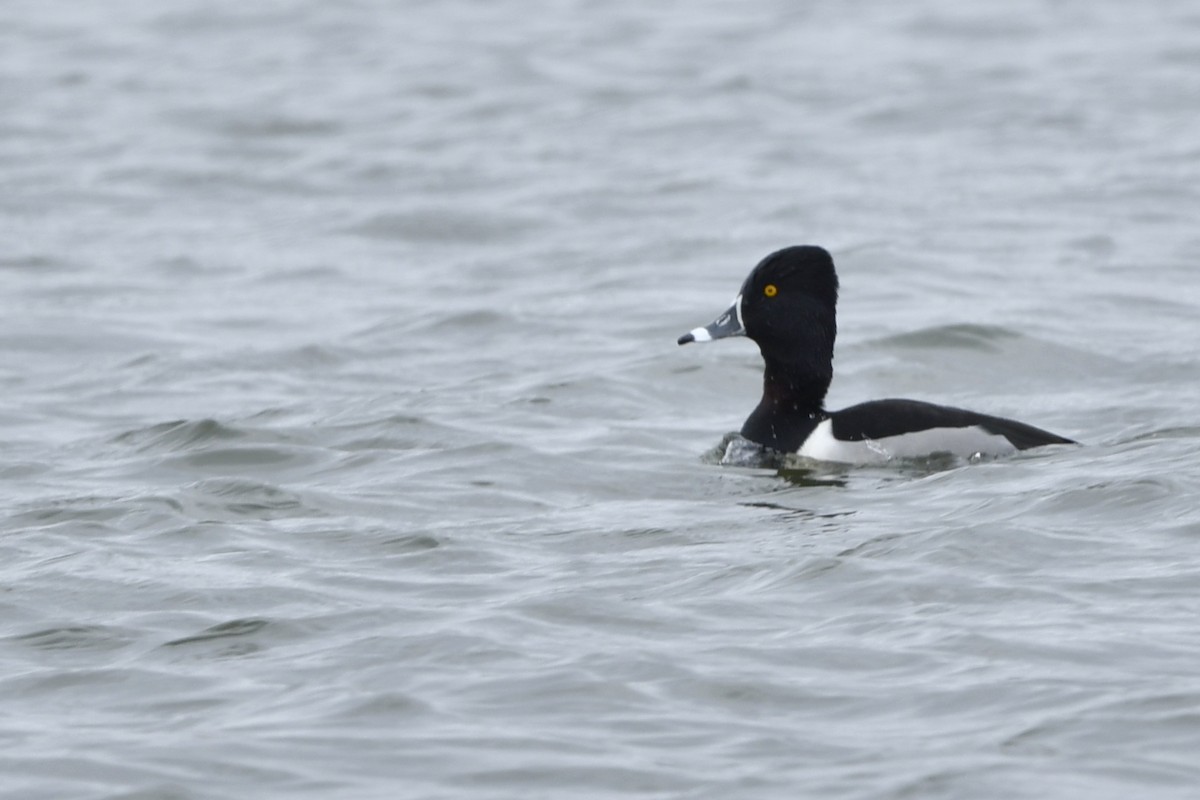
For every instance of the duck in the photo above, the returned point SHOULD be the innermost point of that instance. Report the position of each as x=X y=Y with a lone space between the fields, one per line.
x=787 y=306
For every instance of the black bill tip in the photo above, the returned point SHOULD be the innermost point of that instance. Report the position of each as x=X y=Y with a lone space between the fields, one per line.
x=687 y=337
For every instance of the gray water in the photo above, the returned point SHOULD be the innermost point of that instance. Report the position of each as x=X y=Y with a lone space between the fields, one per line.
x=346 y=451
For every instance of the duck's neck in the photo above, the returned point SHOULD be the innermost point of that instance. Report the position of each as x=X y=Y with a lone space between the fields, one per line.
x=792 y=405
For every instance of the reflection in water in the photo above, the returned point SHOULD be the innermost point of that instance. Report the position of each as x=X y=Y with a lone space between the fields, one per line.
x=812 y=476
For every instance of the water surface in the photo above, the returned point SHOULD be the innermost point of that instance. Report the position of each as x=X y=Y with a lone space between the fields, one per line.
x=347 y=451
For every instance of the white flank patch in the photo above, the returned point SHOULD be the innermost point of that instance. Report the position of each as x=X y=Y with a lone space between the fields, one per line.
x=963 y=442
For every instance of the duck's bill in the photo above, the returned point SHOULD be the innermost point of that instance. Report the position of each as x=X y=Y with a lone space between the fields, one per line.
x=728 y=324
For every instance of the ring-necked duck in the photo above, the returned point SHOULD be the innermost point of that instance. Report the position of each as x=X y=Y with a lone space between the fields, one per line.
x=787 y=306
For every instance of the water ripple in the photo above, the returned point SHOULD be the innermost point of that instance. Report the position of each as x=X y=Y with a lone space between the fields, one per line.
x=346 y=450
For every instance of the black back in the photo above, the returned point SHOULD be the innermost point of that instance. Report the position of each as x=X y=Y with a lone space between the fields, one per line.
x=879 y=419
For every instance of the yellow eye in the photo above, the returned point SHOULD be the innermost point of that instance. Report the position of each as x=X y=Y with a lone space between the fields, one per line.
x=770 y=290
